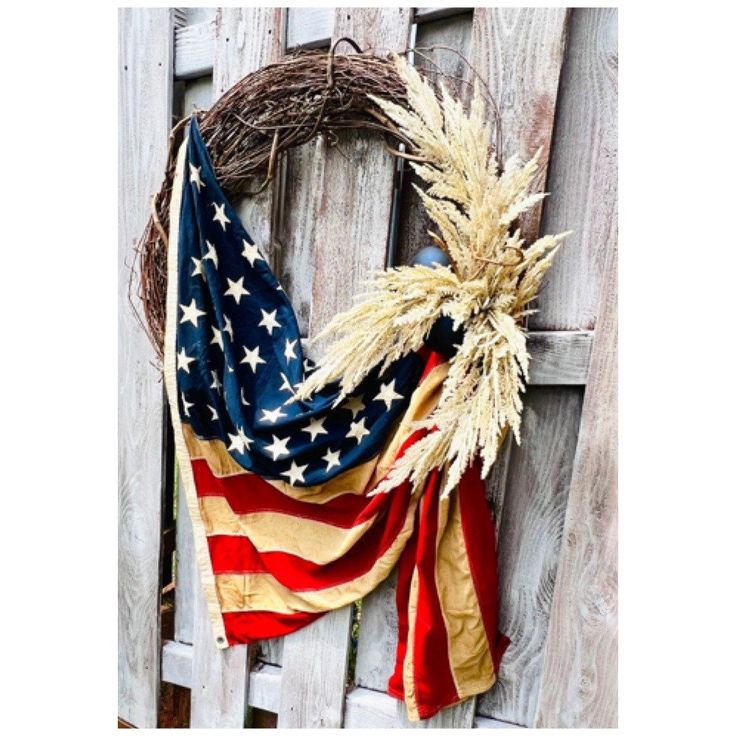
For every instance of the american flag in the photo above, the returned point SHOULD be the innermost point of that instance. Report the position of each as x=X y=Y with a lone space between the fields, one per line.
x=278 y=491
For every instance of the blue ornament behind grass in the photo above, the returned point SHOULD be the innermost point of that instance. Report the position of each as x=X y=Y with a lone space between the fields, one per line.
x=441 y=337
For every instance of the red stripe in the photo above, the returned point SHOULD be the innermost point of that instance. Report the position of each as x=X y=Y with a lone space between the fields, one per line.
x=480 y=541
x=237 y=554
x=434 y=687
x=245 y=627
x=248 y=493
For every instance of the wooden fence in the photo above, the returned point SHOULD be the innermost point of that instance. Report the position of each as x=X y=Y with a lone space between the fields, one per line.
x=553 y=74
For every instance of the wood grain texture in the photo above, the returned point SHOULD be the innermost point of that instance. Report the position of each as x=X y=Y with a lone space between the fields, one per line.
x=529 y=539
x=375 y=659
x=314 y=673
x=304 y=180
x=219 y=676
x=519 y=52
x=186 y=572
x=583 y=172
x=309 y=27
x=245 y=40
x=145 y=89
x=559 y=358
x=194 y=50
x=580 y=677
x=264 y=689
x=176 y=663
x=455 y=32
x=354 y=211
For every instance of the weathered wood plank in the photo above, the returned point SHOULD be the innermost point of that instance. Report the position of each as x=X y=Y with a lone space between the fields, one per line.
x=186 y=572
x=314 y=671
x=354 y=211
x=304 y=178
x=559 y=358
x=519 y=51
x=176 y=663
x=427 y=15
x=264 y=690
x=583 y=172
x=580 y=678
x=351 y=226
x=529 y=539
x=375 y=659
x=194 y=50
x=219 y=676
x=245 y=40
x=309 y=27
x=145 y=89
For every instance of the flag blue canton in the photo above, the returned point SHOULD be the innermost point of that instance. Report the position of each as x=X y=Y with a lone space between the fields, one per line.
x=239 y=355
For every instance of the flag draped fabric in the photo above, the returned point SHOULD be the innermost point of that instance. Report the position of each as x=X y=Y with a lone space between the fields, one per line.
x=278 y=491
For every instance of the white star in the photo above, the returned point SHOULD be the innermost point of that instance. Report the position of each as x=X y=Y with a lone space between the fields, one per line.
x=289 y=350
x=295 y=473
x=314 y=428
x=215 y=381
x=358 y=430
x=220 y=215
x=194 y=172
x=355 y=405
x=240 y=441
x=308 y=367
x=278 y=447
x=250 y=252
x=269 y=321
x=198 y=270
x=183 y=360
x=185 y=404
x=228 y=327
x=235 y=289
x=387 y=394
x=214 y=412
x=252 y=357
x=211 y=254
x=191 y=313
x=242 y=398
x=217 y=338
x=285 y=385
x=332 y=458
x=272 y=415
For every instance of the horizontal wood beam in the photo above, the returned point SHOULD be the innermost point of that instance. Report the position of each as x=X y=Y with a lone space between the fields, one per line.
x=194 y=50
x=425 y=15
x=176 y=663
x=559 y=358
x=364 y=708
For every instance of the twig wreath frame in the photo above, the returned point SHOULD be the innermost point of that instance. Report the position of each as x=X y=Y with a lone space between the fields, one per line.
x=474 y=202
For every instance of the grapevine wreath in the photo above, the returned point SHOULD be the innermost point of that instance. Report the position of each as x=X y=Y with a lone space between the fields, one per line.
x=473 y=198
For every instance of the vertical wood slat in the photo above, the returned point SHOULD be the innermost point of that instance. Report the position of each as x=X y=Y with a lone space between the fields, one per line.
x=243 y=43
x=245 y=40
x=583 y=173
x=351 y=226
x=197 y=93
x=539 y=474
x=580 y=677
x=145 y=89
x=519 y=52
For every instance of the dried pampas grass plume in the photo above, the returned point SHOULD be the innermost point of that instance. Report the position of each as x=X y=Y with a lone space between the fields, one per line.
x=495 y=277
